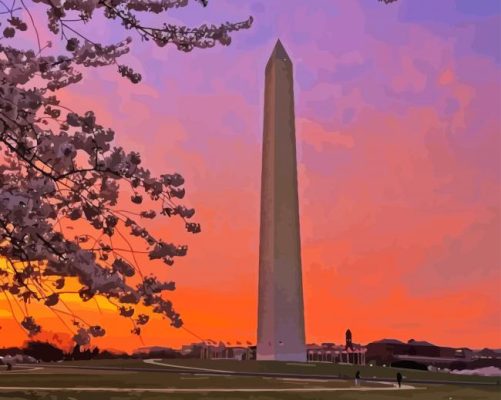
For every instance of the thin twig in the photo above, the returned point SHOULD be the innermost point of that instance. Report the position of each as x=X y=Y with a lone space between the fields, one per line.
x=34 y=26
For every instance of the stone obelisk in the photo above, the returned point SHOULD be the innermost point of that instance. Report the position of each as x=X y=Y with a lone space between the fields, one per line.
x=280 y=310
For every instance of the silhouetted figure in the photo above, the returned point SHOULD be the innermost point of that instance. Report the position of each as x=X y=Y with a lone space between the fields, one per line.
x=9 y=366
x=349 y=344
x=357 y=378
x=399 y=379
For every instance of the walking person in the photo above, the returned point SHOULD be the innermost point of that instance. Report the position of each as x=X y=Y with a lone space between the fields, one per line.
x=399 y=379
x=357 y=378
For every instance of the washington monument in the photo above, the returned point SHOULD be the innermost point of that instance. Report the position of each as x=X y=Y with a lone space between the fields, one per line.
x=280 y=334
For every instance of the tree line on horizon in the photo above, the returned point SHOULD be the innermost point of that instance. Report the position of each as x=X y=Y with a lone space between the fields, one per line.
x=49 y=352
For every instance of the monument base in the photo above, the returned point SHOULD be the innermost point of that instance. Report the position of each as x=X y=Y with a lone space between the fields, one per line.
x=296 y=357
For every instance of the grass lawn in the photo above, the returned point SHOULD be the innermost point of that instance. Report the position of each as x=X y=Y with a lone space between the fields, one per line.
x=72 y=378
x=346 y=371
x=56 y=375
x=343 y=371
x=434 y=393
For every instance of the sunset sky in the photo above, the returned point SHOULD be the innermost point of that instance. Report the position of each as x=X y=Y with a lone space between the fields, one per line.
x=398 y=124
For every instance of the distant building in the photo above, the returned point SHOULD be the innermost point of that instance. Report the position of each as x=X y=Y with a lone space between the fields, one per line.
x=148 y=349
x=193 y=350
x=487 y=354
x=213 y=351
x=187 y=349
x=325 y=352
x=332 y=353
x=350 y=353
x=388 y=351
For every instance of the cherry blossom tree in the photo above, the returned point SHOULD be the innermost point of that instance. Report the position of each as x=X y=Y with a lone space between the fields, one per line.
x=56 y=165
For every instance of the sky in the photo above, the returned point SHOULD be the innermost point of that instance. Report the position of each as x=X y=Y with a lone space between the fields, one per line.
x=398 y=137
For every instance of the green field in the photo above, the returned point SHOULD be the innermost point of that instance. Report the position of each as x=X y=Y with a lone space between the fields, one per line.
x=61 y=376
x=89 y=378
x=435 y=393
x=343 y=371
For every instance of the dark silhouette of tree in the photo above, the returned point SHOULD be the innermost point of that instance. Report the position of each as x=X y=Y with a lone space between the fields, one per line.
x=43 y=351
x=10 y=350
x=86 y=354
x=76 y=354
x=105 y=354
x=57 y=164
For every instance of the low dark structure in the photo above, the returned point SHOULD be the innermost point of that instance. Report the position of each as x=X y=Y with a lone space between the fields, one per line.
x=420 y=355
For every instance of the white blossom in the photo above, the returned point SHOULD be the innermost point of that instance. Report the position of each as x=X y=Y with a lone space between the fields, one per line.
x=56 y=164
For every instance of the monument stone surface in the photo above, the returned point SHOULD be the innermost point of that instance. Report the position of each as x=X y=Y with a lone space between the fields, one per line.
x=280 y=333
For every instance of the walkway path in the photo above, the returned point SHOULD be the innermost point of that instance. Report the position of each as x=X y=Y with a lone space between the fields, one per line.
x=156 y=361
x=204 y=390
x=22 y=370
